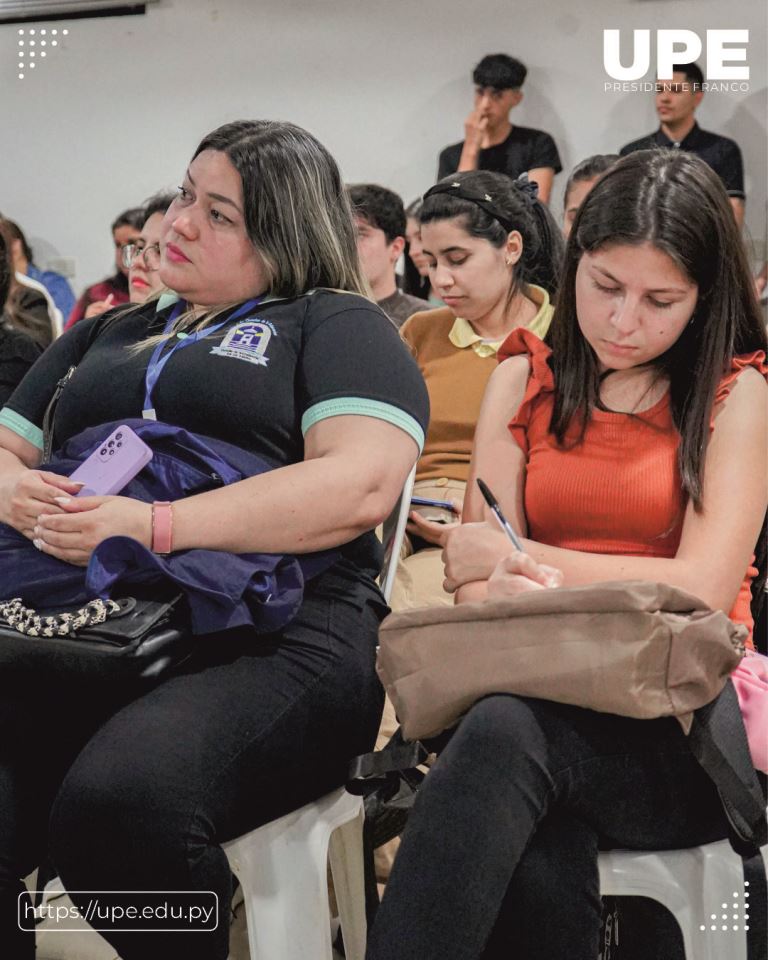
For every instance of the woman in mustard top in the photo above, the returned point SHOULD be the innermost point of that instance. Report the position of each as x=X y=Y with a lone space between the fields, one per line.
x=493 y=251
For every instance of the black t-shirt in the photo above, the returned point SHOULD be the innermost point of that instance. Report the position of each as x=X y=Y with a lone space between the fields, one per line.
x=27 y=311
x=259 y=382
x=17 y=354
x=721 y=153
x=524 y=149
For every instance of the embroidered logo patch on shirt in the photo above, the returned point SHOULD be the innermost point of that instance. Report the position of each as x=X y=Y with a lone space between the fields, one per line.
x=248 y=340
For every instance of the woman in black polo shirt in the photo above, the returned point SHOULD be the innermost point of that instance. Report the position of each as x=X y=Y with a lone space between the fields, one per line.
x=272 y=349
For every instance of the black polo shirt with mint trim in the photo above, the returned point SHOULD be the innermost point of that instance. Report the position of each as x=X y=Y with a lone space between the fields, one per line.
x=721 y=153
x=260 y=382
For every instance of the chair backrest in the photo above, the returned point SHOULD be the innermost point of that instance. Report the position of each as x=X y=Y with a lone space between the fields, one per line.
x=392 y=537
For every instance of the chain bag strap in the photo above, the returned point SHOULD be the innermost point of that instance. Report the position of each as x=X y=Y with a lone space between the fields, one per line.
x=26 y=620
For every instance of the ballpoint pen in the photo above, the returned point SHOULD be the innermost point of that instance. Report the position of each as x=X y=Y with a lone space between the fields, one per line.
x=496 y=509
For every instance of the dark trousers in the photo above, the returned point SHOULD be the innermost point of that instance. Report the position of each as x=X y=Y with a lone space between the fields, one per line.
x=499 y=858
x=140 y=795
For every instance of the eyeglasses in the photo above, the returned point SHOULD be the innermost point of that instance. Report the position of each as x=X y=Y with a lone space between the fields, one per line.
x=132 y=251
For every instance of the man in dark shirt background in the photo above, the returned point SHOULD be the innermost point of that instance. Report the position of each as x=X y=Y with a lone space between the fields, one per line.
x=676 y=103
x=380 y=223
x=490 y=141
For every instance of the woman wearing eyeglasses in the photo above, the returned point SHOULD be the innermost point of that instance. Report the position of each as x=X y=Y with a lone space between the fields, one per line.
x=142 y=258
x=113 y=291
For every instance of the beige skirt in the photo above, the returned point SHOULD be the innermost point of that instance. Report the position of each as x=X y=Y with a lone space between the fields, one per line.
x=419 y=579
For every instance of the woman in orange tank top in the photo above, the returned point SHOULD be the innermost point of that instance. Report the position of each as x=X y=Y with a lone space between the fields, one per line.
x=632 y=445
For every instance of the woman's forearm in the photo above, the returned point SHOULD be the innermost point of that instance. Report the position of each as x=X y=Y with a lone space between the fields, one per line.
x=580 y=568
x=10 y=464
x=10 y=468
x=472 y=592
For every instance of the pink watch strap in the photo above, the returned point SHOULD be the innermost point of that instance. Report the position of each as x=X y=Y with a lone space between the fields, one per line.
x=162 y=526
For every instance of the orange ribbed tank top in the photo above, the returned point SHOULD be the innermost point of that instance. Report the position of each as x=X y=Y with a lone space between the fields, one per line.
x=617 y=492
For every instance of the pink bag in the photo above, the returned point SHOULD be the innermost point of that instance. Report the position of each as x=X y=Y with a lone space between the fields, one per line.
x=750 y=680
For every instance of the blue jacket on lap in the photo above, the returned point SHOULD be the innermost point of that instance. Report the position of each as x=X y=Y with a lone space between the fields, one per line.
x=224 y=590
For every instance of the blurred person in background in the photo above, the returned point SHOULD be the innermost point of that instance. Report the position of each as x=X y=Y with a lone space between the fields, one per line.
x=380 y=222
x=416 y=269
x=23 y=262
x=114 y=290
x=491 y=141
x=583 y=177
x=142 y=258
x=17 y=351
x=676 y=103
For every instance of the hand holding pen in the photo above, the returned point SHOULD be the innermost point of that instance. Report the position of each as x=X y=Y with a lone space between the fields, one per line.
x=518 y=572
x=493 y=503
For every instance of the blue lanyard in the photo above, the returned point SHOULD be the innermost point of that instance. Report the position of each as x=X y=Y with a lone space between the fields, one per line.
x=157 y=363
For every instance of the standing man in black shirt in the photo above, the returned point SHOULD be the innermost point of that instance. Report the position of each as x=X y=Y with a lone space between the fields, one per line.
x=490 y=141
x=676 y=103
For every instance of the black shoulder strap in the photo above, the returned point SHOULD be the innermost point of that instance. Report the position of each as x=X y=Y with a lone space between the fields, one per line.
x=719 y=742
x=380 y=774
x=370 y=770
x=50 y=413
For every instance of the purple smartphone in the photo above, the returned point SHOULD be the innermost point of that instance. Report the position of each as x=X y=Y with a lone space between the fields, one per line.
x=114 y=464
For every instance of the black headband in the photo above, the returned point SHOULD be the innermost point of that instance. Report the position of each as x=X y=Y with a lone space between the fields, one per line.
x=455 y=188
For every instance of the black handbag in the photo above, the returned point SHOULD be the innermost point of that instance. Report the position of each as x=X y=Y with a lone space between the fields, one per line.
x=132 y=639
x=129 y=639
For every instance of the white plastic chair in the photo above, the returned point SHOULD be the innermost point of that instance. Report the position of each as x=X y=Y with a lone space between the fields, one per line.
x=393 y=535
x=282 y=865
x=282 y=868
x=699 y=886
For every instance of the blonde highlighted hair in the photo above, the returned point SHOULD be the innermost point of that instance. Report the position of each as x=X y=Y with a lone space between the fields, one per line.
x=297 y=214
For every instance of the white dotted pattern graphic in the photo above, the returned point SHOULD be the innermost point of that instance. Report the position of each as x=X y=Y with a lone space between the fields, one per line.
x=27 y=56
x=743 y=916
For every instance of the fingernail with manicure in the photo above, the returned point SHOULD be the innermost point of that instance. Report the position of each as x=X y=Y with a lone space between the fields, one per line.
x=62 y=499
x=38 y=544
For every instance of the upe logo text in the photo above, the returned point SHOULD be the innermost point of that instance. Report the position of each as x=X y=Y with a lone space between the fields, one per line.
x=677 y=46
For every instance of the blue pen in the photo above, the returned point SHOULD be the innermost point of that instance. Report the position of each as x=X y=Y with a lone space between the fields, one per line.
x=496 y=509
x=426 y=502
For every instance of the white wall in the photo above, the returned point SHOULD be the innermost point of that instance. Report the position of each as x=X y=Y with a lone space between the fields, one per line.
x=113 y=113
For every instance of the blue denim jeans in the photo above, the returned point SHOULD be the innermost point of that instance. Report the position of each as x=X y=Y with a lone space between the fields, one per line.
x=499 y=858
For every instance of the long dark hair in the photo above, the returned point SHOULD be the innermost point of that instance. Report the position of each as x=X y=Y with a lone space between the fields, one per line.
x=297 y=214
x=413 y=282
x=542 y=240
x=674 y=201
x=21 y=308
x=6 y=263
x=157 y=203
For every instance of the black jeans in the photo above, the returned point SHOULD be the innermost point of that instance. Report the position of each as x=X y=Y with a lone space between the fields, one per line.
x=141 y=794
x=499 y=858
